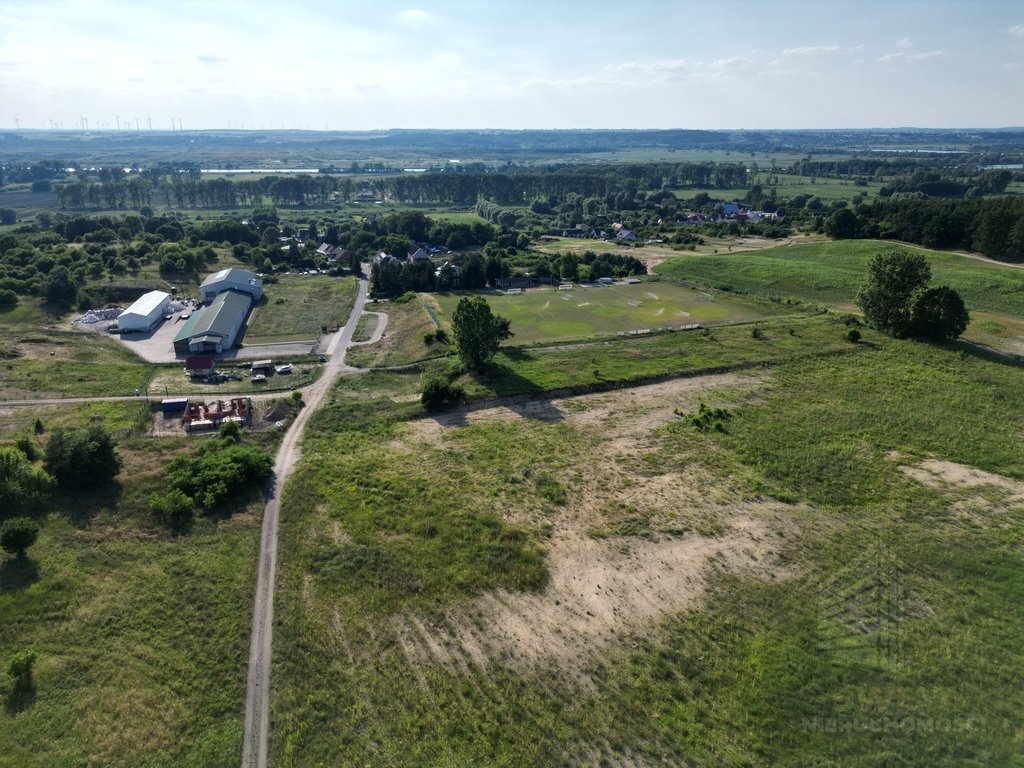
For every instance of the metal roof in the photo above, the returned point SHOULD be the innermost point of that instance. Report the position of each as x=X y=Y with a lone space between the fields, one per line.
x=146 y=303
x=217 y=319
x=231 y=274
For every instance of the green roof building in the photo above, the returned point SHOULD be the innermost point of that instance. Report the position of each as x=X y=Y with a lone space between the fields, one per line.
x=214 y=328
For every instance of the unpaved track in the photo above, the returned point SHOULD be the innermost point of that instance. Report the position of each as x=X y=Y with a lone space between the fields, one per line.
x=257 y=694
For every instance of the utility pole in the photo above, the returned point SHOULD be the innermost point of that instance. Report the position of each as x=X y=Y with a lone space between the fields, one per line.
x=118 y=118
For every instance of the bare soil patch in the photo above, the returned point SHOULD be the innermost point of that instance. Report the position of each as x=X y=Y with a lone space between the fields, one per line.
x=609 y=579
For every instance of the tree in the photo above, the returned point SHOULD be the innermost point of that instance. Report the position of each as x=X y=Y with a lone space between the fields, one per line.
x=894 y=277
x=82 y=458
x=18 y=534
x=842 y=225
x=173 y=509
x=22 y=485
x=478 y=331
x=59 y=289
x=939 y=314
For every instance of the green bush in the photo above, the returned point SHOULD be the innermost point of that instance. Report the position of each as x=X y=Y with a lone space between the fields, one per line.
x=22 y=485
x=21 y=665
x=82 y=458
x=438 y=394
x=707 y=419
x=406 y=297
x=174 y=510
x=219 y=471
x=853 y=335
x=18 y=534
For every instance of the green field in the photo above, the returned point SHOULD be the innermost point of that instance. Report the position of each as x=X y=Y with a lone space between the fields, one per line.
x=411 y=552
x=298 y=307
x=142 y=637
x=40 y=359
x=830 y=273
x=544 y=314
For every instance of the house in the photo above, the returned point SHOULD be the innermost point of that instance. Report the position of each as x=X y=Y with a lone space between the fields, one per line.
x=730 y=209
x=330 y=252
x=215 y=328
x=574 y=232
x=232 y=279
x=522 y=281
x=625 y=235
x=199 y=365
x=417 y=255
x=382 y=257
x=144 y=314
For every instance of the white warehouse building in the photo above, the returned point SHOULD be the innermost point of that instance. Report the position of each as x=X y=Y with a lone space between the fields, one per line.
x=145 y=313
x=232 y=279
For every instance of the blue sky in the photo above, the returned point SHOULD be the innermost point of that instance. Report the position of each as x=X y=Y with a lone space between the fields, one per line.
x=499 y=64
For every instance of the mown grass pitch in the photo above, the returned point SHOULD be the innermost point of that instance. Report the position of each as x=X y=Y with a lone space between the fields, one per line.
x=541 y=314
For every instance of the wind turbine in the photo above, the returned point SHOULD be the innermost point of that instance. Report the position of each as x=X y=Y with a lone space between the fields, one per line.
x=85 y=123
x=149 y=120
x=17 y=123
x=136 y=125
x=118 y=118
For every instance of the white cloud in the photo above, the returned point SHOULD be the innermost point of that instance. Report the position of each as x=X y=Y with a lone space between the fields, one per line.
x=903 y=56
x=414 y=16
x=209 y=58
x=732 y=63
x=669 y=65
x=905 y=43
x=1017 y=30
x=811 y=50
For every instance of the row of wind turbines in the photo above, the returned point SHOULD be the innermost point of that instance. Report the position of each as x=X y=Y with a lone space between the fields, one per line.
x=99 y=125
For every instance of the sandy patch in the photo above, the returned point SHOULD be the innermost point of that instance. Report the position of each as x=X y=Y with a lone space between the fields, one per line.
x=976 y=492
x=607 y=580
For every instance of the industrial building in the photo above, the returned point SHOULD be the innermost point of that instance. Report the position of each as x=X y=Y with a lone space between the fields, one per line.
x=231 y=279
x=214 y=328
x=145 y=313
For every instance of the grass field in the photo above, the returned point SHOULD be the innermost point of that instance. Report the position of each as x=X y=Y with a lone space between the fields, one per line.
x=432 y=569
x=38 y=359
x=830 y=273
x=544 y=314
x=403 y=341
x=297 y=307
x=142 y=638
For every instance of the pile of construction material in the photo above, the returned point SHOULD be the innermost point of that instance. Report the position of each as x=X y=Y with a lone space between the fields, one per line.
x=94 y=316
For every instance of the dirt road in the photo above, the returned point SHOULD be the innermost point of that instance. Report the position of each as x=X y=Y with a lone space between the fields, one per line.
x=257 y=696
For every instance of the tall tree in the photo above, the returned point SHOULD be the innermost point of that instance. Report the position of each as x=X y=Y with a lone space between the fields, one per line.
x=893 y=279
x=478 y=331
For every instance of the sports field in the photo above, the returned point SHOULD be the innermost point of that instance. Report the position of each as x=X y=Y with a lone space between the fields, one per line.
x=540 y=314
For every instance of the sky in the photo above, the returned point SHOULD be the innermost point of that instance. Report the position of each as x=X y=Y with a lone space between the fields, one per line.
x=341 y=65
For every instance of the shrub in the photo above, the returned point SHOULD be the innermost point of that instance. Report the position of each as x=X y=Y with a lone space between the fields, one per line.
x=20 y=667
x=18 y=534
x=22 y=485
x=406 y=297
x=218 y=471
x=439 y=393
x=27 y=447
x=853 y=335
x=707 y=419
x=173 y=509
x=82 y=458
x=429 y=337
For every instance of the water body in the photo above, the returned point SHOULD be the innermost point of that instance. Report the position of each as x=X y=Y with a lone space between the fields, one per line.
x=259 y=170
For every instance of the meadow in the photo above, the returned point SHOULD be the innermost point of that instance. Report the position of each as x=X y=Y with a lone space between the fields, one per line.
x=142 y=637
x=40 y=358
x=298 y=307
x=830 y=273
x=545 y=314
x=431 y=566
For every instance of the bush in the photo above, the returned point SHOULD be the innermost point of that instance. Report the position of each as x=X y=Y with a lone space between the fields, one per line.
x=220 y=470
x=18 y=534
x=853 y=335
x=20 y=667
x=429 y=337
x=173 y=509
x=82 y=458
x=406 y=297
x=707 y=419
x=22 y=485
x=27 y=447
x=439 y=394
